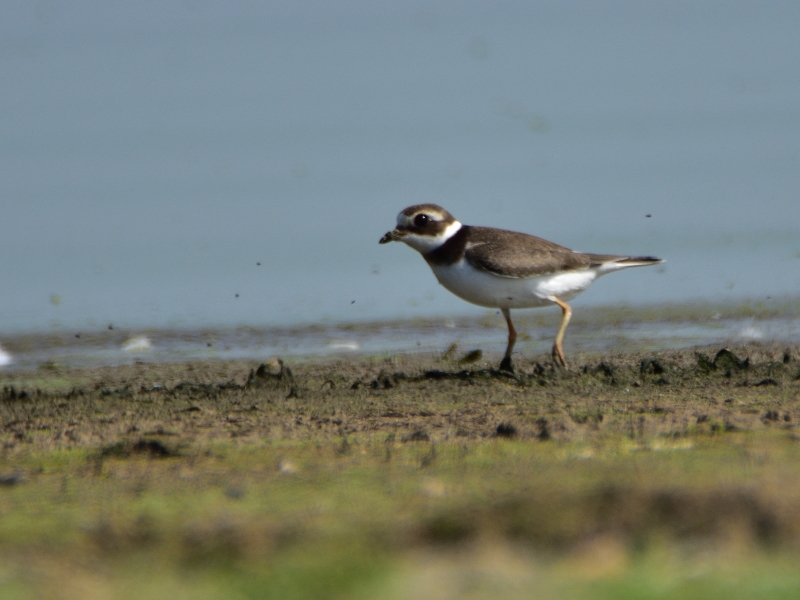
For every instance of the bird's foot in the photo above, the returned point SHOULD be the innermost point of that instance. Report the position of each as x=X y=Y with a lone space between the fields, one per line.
x=559 y=358
x=506 y=365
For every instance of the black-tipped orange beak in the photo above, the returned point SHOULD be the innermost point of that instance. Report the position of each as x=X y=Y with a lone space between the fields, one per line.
x=392 y=236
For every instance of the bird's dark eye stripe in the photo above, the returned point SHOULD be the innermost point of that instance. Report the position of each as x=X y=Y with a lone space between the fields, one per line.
x=421 y=220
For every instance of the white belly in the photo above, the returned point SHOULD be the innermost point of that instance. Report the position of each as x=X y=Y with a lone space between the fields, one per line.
x=493 y=291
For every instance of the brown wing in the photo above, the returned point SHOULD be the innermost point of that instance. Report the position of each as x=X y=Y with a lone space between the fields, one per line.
x=513 y=254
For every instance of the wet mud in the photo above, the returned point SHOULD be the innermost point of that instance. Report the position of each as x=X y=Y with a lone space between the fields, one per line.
x=434 y=397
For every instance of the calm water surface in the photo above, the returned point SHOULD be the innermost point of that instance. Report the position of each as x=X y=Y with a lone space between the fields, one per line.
x=210 y=166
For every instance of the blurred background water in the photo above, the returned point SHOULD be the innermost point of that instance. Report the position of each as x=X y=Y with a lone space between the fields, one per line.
x=197 y=164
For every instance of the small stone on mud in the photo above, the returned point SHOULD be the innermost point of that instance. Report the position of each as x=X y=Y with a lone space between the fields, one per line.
x=651 y=365
x=151 y=448
x=417 y=436
x=471 y=357
x=234 y=493
x=11 y=480
x=725 y=359
x=287 y=467
x=383 y=381
x=542 y=429
x=271 y=371
x=603 y=368
x=433 y=488
x=506 y=430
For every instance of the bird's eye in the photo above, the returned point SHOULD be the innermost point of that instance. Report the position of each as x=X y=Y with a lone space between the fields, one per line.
x=421 y=220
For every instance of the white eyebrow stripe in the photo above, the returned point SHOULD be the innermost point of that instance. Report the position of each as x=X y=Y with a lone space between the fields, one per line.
x=403 y=219
x=451 y=230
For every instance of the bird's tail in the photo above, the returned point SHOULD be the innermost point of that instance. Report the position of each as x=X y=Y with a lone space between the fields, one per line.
x=606 y=263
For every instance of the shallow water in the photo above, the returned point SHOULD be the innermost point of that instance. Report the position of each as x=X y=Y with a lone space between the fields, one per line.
x=592 y=330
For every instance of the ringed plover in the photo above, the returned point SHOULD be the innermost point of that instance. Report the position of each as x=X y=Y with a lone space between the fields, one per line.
x=503 y=269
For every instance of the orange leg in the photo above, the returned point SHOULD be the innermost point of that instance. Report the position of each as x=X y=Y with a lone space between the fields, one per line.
x=558 y=350
x=506 y=364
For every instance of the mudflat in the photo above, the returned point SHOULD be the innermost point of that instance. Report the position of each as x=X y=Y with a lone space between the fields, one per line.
x=410 y=475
